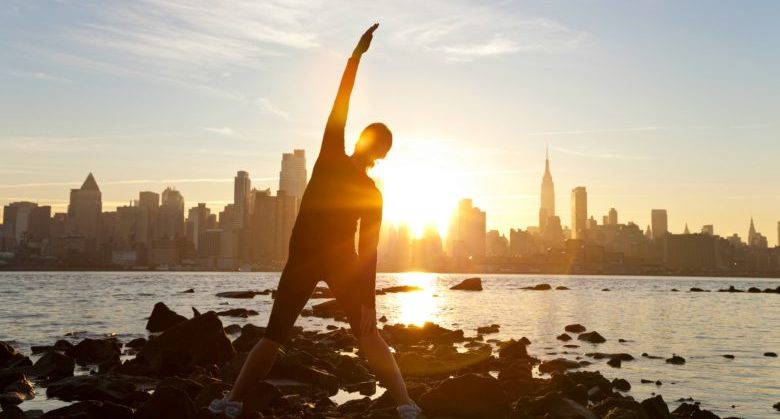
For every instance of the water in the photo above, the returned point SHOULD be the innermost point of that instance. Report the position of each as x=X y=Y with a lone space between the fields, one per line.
x=39 y=308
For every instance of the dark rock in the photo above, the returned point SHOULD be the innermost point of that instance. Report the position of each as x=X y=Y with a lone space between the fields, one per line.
x=91 y=409
x=211 y=391
x=516 y=371
x=692 y=411
x=777 y=406
x=575 y=328
x=195 y=312
x=199 y=341
x=10 y=358
x=237 y=312
x=621 y=384
x=14 y=389
x=428 y=332
x=167 y=402
x=238 y=294
x=676 y=360
x=299 y=367
x=655 y=408
x=592 y=337
x=554 y=406
x=469 y=395
x=558 y=365
x=606 y=289
x=250 y=335
x=137 y=343
x=53 y=366
x=754 y=289
x=562 y=288
x=233 y=329
x=191 y=387
x=695 y=289
x=514 y=349
x=646 y=381
x=646 y=355
x=731 y=289
x=675 y=290
x=94 y=350
x=770 y=354
x=728 y=356
x=564 y=337
x=618 y=408
x=113 y=388
x=383 y=319
x=539 y=287
x=601 y=355
x=469 y=284
x=401 y=288
x=330 y=309
x=615 y=362
x=163 y=318
x=484 y=330
x=12 y=412
x=321 y=292
x=188 y=291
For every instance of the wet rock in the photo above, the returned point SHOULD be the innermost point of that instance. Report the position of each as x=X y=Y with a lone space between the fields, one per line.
x=12 y=412
x=606 y=290
x=188 y=291
x=469 y=395
x=237 y=312
x=553 y=405
x=615 y=362
x=776 y=406
x=675 y=290
x=601 y=355
x=428 y=332
x=162 y=318
x=53 y=366
x=10 y=358
x=94 y=350
x=562 y=288
x=514 y=349
x=676 y=360
x=484 y=330
x=754 y=289
x=695 y=289
x=728 y=356
x=575 y=328
x=114 y=388
x=330 y=309
x=91 y=409
x=14 y=389
x=191 y=387
x=731 y=289
x=238 y=294
x=648 y=356
x=592 y=337
x=655 y=408
x=61 y=345
x=469 y=284
x=195 y=312
x=621 y=384
x=558 y=365
x=322 y=292
x=692 y=411
x=233 y=329
x=198 y=341
x=770 y=354
x=299 y=367
x=538 y=287
x=383 y=319
x=212 y=390
x=618 y=408
x=401 y=288
x=167 y=402
x=516 y=371
x=564 y=337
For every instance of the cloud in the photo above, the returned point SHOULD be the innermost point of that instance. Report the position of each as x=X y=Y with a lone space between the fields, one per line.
x=600 y=155
x=37 y=75
x=226 y=131
x=597 y=131
x=267 y=106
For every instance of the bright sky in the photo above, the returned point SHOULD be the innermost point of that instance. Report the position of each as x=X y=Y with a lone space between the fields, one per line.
x=649 y=104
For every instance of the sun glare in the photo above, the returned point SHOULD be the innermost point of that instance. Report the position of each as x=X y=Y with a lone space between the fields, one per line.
x=420 y=188
x=420 y=306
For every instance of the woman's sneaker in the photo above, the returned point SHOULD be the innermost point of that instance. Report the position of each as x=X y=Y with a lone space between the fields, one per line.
x=224 y=405
x=410 y=411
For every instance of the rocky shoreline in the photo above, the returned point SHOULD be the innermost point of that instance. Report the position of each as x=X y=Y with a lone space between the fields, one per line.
x=188 y=361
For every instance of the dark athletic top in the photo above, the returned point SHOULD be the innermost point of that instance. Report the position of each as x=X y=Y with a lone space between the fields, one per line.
x=337 y=196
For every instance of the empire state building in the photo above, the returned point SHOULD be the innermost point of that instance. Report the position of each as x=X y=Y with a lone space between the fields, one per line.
x=547 y=207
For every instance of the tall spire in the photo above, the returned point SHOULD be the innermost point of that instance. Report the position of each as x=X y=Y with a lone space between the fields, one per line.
x=752 y=231
x=547 y=162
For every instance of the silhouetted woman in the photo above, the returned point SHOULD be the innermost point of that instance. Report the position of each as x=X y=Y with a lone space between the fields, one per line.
x=322 y=247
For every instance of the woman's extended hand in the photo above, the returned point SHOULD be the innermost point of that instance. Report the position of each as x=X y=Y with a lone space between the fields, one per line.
x=365 y=41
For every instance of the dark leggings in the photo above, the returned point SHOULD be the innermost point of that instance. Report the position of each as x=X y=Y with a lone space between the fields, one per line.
x=299 y=278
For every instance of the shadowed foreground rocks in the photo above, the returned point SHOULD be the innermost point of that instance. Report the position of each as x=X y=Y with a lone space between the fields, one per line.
x=177 y=374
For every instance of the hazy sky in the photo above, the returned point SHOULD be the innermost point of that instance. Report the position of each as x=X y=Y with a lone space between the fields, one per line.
x=649 y=104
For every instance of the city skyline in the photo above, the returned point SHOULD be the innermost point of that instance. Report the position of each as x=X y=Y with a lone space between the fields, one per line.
x=678 y=115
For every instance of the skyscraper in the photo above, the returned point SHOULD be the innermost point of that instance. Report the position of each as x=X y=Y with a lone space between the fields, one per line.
x=197 y=222
x=579 y=212
x=612 y=217
x=241 y=187
x=170 y=222
x=292 y=177
x=286 y=210
x=150 y=201
x=547 y=207
x=466 y=238
x=84 y=213
x=659 y=223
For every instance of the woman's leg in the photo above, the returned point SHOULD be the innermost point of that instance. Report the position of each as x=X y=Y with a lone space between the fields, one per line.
x=384 y=366
x=295 y=287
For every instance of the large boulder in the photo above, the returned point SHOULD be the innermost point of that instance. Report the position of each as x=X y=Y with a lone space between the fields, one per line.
x=250 y=335
x=558 y=365
x=469 y=395
x=199 y=341
x=592 y=337
x=91 y=409
x=469 y=284
x=655 y=408
x=163 y=318
x=575 y=328
x=53 y=366
x=93 y=351
x=14 y=389
x=514 y=349
x=114 y=388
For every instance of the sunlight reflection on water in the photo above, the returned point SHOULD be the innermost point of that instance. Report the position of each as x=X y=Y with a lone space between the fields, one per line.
x=420 y=306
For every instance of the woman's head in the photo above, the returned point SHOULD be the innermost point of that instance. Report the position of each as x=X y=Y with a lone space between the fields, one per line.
x=374 y=143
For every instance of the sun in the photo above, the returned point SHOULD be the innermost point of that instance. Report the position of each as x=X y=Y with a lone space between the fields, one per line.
x=419 y=186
